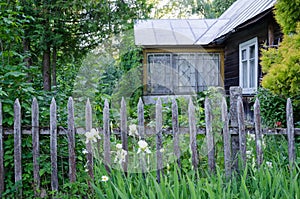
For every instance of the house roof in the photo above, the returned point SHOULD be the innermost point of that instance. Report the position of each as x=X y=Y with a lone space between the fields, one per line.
x=171 y=32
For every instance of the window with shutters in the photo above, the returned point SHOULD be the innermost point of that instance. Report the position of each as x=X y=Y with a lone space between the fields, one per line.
x=182 y=73
x=248 y=56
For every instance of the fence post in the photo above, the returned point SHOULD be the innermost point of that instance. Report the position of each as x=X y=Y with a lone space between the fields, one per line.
x=235 y=92
x=123 y=117
x=53 y=145
x=209 y=136
x=175 y=128
x=71 y=141
x=1 y=154
x=193 y=137
x=159 y=146
x=106 y=133
x=18 y=147
x=35 y=145
x=242 y=133
x=290 y=132
x=141 y=131
x=226 y=139
x=88 y=128
x=258 y=133
x=141 y=128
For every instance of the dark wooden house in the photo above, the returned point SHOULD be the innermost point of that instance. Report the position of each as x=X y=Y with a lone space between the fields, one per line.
x=185 y=56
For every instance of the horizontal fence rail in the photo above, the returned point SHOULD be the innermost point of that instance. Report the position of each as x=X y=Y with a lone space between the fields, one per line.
x=233 y=137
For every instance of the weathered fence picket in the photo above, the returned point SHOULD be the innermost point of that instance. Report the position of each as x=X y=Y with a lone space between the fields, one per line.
x=159 y=147
x=193 y=138
x=106 y=134
x=209 y=136
x=123 y=127
x=234 y=137
x=235 y=93
x=35 y=146
x=71 y=141
x=18 y=146
x=290 y=132
x=175 y=128
x=88 y=128
x=141 y=131
x=226 y=138
x=258 y=133
x=242 y=132
x=53 y=145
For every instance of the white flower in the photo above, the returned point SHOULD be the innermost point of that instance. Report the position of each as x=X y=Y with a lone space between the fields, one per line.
x=104 y=178
x=119 y=146
x=143 y=147
x=84 y=151
x=92 y=136
x=86 y=170
x=133 y=130
x=120 y=156
x=162 y=150
x=269 y=164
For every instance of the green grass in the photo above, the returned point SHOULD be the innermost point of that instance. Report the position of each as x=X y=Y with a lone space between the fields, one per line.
x=265 y=182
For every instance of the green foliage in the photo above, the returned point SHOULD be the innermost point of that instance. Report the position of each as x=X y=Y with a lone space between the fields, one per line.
x=287 y=15
x=272 y=108
x=282 y=68
x=212 y=9
x=70 y=189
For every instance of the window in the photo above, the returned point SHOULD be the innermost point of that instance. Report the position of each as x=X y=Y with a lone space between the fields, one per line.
x=182 y=73
x=248 y=66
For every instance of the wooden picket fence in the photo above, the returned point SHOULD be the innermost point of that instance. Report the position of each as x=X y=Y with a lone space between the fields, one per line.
x=234 y=136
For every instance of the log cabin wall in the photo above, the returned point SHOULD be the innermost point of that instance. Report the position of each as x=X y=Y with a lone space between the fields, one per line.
x=268 y=33
x=257 y=28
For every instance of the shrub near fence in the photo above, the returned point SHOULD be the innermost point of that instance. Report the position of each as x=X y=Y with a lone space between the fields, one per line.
x=234 y=137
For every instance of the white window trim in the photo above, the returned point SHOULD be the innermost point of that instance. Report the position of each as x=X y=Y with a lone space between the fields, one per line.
x=242 y=46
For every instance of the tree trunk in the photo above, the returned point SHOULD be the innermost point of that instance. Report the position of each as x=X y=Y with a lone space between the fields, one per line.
x=54 y=59
x=46 y=69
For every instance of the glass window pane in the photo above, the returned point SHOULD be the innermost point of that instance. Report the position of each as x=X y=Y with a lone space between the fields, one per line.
x=244 y=54
x=252 y=73
x=245 y=74
x=252 y=51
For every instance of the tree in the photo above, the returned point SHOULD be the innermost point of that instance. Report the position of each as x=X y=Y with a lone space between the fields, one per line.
x=287 y=15
x=282 y=66
x=69 y=29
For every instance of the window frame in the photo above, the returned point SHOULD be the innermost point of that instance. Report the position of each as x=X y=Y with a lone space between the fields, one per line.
x=246 y=46
x=173 y=55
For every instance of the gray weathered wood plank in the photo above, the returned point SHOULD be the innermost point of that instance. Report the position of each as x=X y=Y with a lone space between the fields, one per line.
x=235 y=92
x=226 y=139
x=1 y=154
x=88 y=128
x=18 y=146
x=124 y=138
x=258 y=133
x=71 y=141
x=242 y=132
x=175 y=128
x=193 y=138
x=141 y=131
x=106 y=133
x=141 y=126
x=210 y=145
x=53 y=145
x=290 y=133
x=35 y=145
x=159 y=146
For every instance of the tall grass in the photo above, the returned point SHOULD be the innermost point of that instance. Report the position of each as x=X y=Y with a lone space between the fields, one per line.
x=265 y=182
